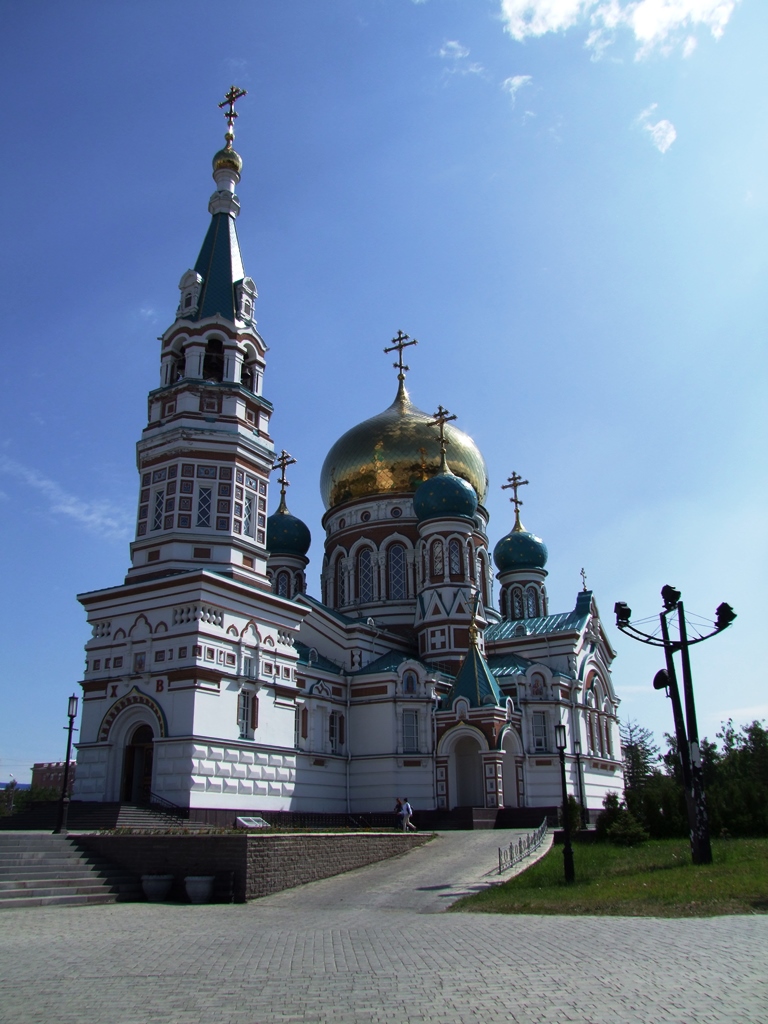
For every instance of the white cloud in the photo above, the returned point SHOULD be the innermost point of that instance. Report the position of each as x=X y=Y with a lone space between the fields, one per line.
x=514 y=84
x=662 y=134
x=455 y=53
x=100 y=516
x=655 y=24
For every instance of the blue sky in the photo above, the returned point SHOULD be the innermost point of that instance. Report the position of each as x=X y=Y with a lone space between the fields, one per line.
x=565 y=202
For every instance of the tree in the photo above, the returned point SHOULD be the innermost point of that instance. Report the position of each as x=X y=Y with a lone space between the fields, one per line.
x=641 y=759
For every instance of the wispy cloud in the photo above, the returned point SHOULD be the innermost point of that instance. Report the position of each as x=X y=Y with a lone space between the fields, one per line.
x=514 y=84
x=660 y=25
x=99 y=516
x=456 y=55
x=662 y=134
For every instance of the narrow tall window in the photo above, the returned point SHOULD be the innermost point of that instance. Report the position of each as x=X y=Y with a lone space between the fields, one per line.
x=437 y=558
x=157 y=519
x=410 y=732
x=204 y=506
x=248 y=506
x=336 y=731
x=396 y=572
x=365 y=576
x=539 y=726
x=517 y=604
x=213 y=361
x=244 y=699
x=531 y=603
x=341 y=590
x=283 y=584
x=454 y=557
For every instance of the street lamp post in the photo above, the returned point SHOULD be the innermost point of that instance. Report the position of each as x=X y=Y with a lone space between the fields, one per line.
x=686 y=729
x=580 y=777
x=61 y=819
x=560 y=742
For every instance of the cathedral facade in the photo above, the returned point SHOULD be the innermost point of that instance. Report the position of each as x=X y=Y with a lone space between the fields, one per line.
x=214 y=681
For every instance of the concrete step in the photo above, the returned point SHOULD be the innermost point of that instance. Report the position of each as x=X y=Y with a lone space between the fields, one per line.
x=57 y=901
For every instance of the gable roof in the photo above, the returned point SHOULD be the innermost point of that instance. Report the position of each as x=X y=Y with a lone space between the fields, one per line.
x=563 y=622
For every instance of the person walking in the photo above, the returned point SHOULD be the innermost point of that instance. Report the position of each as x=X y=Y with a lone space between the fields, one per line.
x=399 y=814
x=407 y=813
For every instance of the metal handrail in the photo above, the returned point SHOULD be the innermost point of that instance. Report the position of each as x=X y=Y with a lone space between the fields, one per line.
x=520 y=849
x=167 y=805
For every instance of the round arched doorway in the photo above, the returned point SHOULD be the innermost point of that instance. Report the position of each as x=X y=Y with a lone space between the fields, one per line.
x=468 y=768
x=137 y=766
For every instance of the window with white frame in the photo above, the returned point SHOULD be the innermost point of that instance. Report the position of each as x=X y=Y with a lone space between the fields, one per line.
x=204 y=506
x=157 y=518
x=341 y=590
x=336 y=731
x=437 y=558
x=396 y=578
x=410 y=731
x=454 y=557
x=539 y=730
x=247 y=713
x=365 y=576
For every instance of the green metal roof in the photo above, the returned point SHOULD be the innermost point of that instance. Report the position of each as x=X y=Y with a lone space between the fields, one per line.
x=320 y=662
x=389 y=662
x=509 y=665
x=475 y=682
x=221 y=267
x=564 y=622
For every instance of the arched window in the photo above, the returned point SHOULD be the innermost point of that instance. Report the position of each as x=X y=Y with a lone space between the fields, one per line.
x=298 y=583
x=177 y=368
x=341 y=590
x=503 y=604
x=409 y=682
x=283 y=584
x=213 y=361
x=437 y=558
x=365 y=576
x=517 y=603
x=454 y=557
x=247 y=376
x=531 y=603
x=396 y=579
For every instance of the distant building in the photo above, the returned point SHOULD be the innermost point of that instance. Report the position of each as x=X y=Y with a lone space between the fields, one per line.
x=50 y=775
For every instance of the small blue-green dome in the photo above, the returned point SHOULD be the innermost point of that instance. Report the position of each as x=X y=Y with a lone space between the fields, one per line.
x=287 y=535
x=444 y=495
x=520 y=550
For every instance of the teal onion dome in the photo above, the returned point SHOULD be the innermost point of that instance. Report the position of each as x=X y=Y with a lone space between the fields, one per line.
x=287 y=535
x=444 y=496
x=520 y=550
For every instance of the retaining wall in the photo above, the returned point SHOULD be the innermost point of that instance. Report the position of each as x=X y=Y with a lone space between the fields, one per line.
x=248 y=866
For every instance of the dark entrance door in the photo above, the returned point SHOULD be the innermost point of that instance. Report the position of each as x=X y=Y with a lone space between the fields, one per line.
x=137 y=767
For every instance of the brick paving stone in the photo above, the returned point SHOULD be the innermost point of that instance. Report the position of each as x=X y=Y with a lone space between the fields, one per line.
x=371 y=947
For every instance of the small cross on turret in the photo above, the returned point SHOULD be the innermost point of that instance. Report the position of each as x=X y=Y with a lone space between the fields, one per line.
x=282 y=462
x=399 y=343
x=583 y=579
x=439 y=419
x=514 y=482
x=230 y=99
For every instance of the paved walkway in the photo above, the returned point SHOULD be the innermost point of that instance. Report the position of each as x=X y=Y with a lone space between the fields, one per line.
x=368 y=947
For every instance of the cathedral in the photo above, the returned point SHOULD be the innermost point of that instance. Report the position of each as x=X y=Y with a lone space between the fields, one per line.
x=216 y=682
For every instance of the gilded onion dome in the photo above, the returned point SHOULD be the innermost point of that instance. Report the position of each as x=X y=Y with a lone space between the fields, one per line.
x=393 y=453
x=227 y=159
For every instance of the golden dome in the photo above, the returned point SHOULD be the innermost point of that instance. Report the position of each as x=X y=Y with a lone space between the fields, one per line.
x=394 y=452
x=227 y=158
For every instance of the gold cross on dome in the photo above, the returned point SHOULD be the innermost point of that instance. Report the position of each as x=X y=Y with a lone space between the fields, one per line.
x=399 y=343
x=514 y=482
x=230 y=99
x=439 y=419
x=282 y=462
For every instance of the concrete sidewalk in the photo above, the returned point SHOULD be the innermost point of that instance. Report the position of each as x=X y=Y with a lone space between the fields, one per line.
x=368 y=947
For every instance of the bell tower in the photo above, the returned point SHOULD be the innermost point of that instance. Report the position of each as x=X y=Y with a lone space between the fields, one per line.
x=205 y=456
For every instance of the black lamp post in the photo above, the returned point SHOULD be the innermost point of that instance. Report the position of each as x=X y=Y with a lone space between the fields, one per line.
x=580 y=777
x=560 y=742
x=666 y=679
x=61 y=819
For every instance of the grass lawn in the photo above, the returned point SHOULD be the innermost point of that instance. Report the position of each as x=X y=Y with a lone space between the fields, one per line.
x=655 y=879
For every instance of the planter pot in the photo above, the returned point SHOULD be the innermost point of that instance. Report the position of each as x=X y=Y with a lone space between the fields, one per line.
x=199 y=888
x=156 y=887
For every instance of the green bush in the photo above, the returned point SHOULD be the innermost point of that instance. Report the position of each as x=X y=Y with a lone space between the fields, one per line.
x=626 y=830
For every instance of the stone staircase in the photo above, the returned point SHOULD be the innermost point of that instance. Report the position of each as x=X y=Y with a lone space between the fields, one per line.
x=87 y=816
x=43 y=870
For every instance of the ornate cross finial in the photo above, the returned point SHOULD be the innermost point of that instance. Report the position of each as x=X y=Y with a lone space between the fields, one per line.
x=439 y=419
x=583 y=579
x=514 y=482
x=400 y=342
x=282 y=462
x=230 y=99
